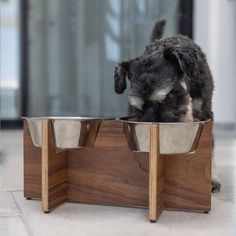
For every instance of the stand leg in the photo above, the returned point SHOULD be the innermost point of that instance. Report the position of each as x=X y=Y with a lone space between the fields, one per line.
x=45 y=184
x=54 y=170
x=154 y=149
x=156 y=175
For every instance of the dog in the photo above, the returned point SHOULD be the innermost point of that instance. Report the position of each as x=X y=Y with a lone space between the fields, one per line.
x=170 y=82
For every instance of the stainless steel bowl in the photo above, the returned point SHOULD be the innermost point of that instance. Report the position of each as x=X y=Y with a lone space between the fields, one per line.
x=69 y=132
x=175 y=138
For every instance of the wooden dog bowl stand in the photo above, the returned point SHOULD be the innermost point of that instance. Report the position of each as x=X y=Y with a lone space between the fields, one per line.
x=107 y=172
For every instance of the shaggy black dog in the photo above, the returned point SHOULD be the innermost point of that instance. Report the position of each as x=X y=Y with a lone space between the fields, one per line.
x=170 y=82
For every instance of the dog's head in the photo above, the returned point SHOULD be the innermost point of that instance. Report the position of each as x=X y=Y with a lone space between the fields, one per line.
x=154 y=76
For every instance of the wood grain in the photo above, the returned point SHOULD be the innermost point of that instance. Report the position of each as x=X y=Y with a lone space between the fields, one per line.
x=156 y=175
x=153 y=159
x=188 y=177
x=32 y=166
x=107 y=172
x=54 y=170
x=45 y=169
x=111 y=134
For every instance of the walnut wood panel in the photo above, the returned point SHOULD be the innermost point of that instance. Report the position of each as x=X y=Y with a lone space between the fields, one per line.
x=107 y=176
x=54 y=170
x=32 y=166
x=109 y=173
x=188 y=177
x=111 y=134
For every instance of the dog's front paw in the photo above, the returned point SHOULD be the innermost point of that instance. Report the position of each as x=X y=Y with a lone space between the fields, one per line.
x=215 y=186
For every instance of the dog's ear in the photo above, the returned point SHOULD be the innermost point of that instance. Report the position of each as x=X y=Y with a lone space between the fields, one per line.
x=185 y=56
x=120 y=77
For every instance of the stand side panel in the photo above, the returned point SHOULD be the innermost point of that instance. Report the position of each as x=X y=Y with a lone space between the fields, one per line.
x=188 y=177
x=32 y=166
x=108 y=173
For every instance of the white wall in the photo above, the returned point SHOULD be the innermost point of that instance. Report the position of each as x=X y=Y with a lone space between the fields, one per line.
x=215 y=32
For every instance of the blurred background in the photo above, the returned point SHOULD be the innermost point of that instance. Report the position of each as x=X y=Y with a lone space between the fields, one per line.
x=57 y=57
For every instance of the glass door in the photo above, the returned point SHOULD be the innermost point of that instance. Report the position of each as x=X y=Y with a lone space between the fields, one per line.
x=9 y=60
x=74 y=46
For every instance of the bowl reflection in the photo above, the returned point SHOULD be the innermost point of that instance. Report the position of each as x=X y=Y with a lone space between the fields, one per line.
x=175 y=138
x=68 y=132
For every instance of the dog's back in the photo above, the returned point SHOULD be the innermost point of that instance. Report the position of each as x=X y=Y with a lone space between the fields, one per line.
x=193 y=63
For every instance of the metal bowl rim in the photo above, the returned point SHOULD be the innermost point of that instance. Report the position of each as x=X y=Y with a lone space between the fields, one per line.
x=124 y=120
x=79 y=118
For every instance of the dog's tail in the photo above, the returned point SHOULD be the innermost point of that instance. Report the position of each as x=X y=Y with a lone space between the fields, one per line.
x=158 y=30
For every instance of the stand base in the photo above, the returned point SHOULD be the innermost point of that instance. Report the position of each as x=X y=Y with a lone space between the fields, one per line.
x=108 y=173
x=153 y=221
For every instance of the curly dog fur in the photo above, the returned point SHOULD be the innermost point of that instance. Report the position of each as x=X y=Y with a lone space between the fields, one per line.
x=170 y=81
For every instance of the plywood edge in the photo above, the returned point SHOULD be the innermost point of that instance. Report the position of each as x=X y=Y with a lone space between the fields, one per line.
x=156 y=175
x=54 y=170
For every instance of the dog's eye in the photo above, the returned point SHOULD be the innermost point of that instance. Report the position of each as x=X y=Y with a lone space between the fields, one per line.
x=169 y=98
x=170 y=95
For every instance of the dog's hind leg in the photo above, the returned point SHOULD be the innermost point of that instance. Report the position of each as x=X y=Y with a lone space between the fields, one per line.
x=215 y=180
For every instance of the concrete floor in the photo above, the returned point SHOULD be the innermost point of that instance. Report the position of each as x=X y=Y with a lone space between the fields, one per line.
x=22 y=217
